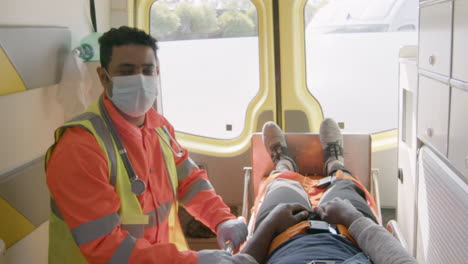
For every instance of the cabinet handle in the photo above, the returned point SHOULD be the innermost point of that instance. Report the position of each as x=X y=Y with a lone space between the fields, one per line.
x=429 y=132
x=432 y=60
x=400 y=174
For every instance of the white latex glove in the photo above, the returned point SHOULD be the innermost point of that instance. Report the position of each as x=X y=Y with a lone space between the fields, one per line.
x=214 y=256
x=233 y=230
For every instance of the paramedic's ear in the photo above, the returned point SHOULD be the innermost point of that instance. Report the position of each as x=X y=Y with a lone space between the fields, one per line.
x=101 y=72
x=106 y=82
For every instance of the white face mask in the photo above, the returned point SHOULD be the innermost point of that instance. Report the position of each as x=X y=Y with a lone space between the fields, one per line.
x=134 y=94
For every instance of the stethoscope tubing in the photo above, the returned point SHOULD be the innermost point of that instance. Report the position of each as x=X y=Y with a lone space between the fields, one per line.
x=138 y=186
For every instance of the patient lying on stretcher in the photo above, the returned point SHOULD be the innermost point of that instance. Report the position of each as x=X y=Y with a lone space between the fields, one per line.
x=344 y=227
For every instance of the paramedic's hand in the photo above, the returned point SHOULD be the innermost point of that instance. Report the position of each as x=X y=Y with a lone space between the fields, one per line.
x=284 y=216
x=338 y=211
x=233 y=230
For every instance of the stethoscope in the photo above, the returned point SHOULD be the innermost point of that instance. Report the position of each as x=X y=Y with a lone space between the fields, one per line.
x=138 y=186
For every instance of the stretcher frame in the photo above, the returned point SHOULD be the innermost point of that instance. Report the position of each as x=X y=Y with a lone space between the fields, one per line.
x=307 y=150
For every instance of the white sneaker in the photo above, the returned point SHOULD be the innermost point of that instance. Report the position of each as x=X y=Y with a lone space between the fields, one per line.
x=332 y=145
x=275 y=144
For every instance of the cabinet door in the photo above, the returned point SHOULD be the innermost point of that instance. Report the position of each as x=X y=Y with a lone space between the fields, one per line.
x=442 y=212
x=458 y=140
x=460 y=40
x=433 y=113
x=435 y=36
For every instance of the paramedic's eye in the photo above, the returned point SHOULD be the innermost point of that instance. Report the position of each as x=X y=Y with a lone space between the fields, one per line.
x=148 y=72
x=125 y=73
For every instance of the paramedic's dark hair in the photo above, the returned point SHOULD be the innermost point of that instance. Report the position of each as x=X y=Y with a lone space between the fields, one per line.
x=123 y=36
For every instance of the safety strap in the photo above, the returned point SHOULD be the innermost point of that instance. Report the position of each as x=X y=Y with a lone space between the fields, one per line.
x=301 y=228
x=298 y=228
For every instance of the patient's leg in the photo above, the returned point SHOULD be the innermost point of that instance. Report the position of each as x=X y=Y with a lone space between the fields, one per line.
x=332 y=144
x=347 y=189
x=282 y=191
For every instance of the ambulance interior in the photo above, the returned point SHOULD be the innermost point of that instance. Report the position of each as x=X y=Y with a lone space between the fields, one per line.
x=393 y=73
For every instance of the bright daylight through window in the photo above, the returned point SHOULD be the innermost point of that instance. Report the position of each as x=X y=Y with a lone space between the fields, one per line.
x=352 y=49
x=209 y=63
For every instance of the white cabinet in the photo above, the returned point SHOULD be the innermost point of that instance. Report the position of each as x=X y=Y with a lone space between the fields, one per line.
x=460 y=41
x=435 y=37
x=438 y=230
x=433 y=112
x=407 y=145
x=458 y=143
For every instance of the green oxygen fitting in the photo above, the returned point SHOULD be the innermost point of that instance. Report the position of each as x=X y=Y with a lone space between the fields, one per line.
x=89 y=47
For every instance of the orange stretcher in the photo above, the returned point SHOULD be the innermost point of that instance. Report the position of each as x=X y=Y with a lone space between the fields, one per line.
x=307 y=150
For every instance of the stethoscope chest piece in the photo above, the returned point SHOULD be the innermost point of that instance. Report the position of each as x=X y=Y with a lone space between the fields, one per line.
x=138 y=186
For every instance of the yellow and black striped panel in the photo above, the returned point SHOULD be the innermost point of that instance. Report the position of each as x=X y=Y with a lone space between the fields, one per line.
x=24 y=201
x=13 y=225
x=26 y=62
x=10 y=81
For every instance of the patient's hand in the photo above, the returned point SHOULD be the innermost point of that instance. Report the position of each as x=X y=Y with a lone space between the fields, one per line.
x=285 y=216
x=338 y=211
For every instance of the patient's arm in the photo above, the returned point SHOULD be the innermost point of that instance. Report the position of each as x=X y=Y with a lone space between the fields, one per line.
x=373 y=239
x=281 y=218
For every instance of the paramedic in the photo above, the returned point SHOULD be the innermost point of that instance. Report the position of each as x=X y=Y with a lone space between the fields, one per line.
x=116 y=174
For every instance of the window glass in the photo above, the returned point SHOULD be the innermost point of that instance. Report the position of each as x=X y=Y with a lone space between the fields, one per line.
x=352 y=49
x=209 y=63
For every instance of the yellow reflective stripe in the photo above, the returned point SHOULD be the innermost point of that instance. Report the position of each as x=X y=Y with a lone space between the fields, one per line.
x=198 y=186
x=95 y=229
x=185 y=168
x=168 y=160
x=124 y=251
x=176 y=235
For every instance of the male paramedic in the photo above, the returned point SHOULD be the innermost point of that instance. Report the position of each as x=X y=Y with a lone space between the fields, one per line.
x=117 y=175
x=344 y=201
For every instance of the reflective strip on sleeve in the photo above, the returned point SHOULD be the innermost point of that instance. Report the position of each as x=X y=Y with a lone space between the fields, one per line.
x=185 y=168
x=104 y=134
x=124 y=251
x=95 y=229
x=198 y=186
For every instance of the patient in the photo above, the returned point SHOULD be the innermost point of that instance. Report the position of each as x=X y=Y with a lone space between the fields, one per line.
x=286 y=203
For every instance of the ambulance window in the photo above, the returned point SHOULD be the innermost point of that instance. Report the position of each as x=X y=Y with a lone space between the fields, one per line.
x=352 y=52
x=208 y=52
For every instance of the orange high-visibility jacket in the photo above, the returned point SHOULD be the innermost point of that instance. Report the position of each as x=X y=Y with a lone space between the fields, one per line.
x=78 y=180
